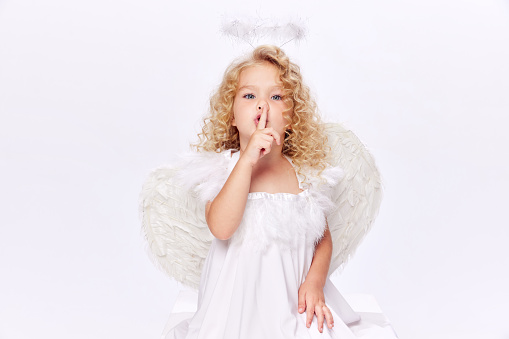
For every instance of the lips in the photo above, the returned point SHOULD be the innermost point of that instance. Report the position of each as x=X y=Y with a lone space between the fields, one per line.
x=257 y=119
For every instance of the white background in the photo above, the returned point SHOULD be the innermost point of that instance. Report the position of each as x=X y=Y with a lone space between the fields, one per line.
x=94 y=94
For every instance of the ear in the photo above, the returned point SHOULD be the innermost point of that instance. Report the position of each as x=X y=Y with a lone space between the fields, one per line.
x=233 y=122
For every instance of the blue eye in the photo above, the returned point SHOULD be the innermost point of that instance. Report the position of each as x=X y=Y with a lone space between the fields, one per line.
x=249 y=96
x=276 y=97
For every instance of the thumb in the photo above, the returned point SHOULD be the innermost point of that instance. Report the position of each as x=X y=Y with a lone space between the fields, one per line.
x=302 y=302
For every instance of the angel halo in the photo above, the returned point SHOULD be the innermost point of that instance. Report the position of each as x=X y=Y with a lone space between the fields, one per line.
x=259 y=31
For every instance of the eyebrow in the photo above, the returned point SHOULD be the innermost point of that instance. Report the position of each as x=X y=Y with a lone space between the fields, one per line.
x=255 y=87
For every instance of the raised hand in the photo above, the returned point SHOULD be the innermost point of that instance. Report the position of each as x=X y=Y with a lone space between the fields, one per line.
x=261 y=141
x=312 y=300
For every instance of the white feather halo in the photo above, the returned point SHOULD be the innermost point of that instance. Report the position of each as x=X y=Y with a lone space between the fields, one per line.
x=252 y=30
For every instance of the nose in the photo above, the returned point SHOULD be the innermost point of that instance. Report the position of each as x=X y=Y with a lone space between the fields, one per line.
x=262 y=105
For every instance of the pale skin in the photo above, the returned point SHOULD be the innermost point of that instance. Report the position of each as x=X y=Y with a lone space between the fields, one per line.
x=258 y=116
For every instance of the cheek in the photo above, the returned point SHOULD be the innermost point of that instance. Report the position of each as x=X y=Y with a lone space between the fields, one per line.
x=286 y=117
x=239 y=108
x=235 y=109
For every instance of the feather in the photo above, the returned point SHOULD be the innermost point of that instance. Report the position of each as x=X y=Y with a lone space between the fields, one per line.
x=347 y=195
x=204 y=173
x=252 y=30
x=172 y=209
x=356 y=198
x=282 y=218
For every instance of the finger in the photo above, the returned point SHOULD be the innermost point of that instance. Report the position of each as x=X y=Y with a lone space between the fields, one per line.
x=264 y=147
x=319 y=317
x=274 y=135
x=267 y=137
x=277 y=137
x=309 y=315
x=328 y=316
x=263 y=141
x=263 y=120
x=266 y=150
x=302 y=302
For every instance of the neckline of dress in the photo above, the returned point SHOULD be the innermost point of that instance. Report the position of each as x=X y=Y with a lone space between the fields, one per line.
x=235 y=157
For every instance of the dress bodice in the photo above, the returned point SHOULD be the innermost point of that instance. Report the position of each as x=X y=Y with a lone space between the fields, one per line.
x=287 y=219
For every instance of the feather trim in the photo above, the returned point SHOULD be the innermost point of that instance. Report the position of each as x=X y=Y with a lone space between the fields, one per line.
x=322 y=186
x=289 y=219
x=285 y=219
x=204 y=173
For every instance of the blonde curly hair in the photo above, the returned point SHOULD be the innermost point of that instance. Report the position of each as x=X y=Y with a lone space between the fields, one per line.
x=305 y=141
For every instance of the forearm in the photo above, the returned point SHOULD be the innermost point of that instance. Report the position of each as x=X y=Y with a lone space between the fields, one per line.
x=225 y=212
x=321 y=259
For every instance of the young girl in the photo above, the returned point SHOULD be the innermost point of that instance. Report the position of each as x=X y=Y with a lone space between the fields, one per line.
x=262 y=178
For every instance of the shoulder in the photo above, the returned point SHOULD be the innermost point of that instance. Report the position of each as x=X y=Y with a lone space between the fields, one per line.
x=322 y=186
x=322 y=181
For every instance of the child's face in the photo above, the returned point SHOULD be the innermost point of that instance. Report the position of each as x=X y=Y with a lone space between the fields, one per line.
x=259 y=87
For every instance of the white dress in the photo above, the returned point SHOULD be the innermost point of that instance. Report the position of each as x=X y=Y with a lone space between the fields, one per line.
x=249 y=283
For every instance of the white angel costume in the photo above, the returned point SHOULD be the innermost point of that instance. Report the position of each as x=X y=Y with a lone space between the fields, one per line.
x=248 y=285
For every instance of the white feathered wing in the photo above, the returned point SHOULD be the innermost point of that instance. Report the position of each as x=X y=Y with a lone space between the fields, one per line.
x=356 y=197
x=172 y=210
x=173 y=214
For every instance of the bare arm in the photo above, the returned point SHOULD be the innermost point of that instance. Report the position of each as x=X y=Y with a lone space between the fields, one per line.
x=321 y=259
x=311 y=297
x=225 y=212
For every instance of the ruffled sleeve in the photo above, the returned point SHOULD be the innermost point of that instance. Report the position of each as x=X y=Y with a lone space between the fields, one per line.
x=321 y=186
x=204 y=173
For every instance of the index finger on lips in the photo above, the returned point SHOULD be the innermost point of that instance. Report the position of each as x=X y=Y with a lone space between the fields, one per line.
x=263 y=120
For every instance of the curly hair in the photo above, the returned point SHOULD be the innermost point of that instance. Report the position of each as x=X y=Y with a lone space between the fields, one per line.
x=305 y=141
